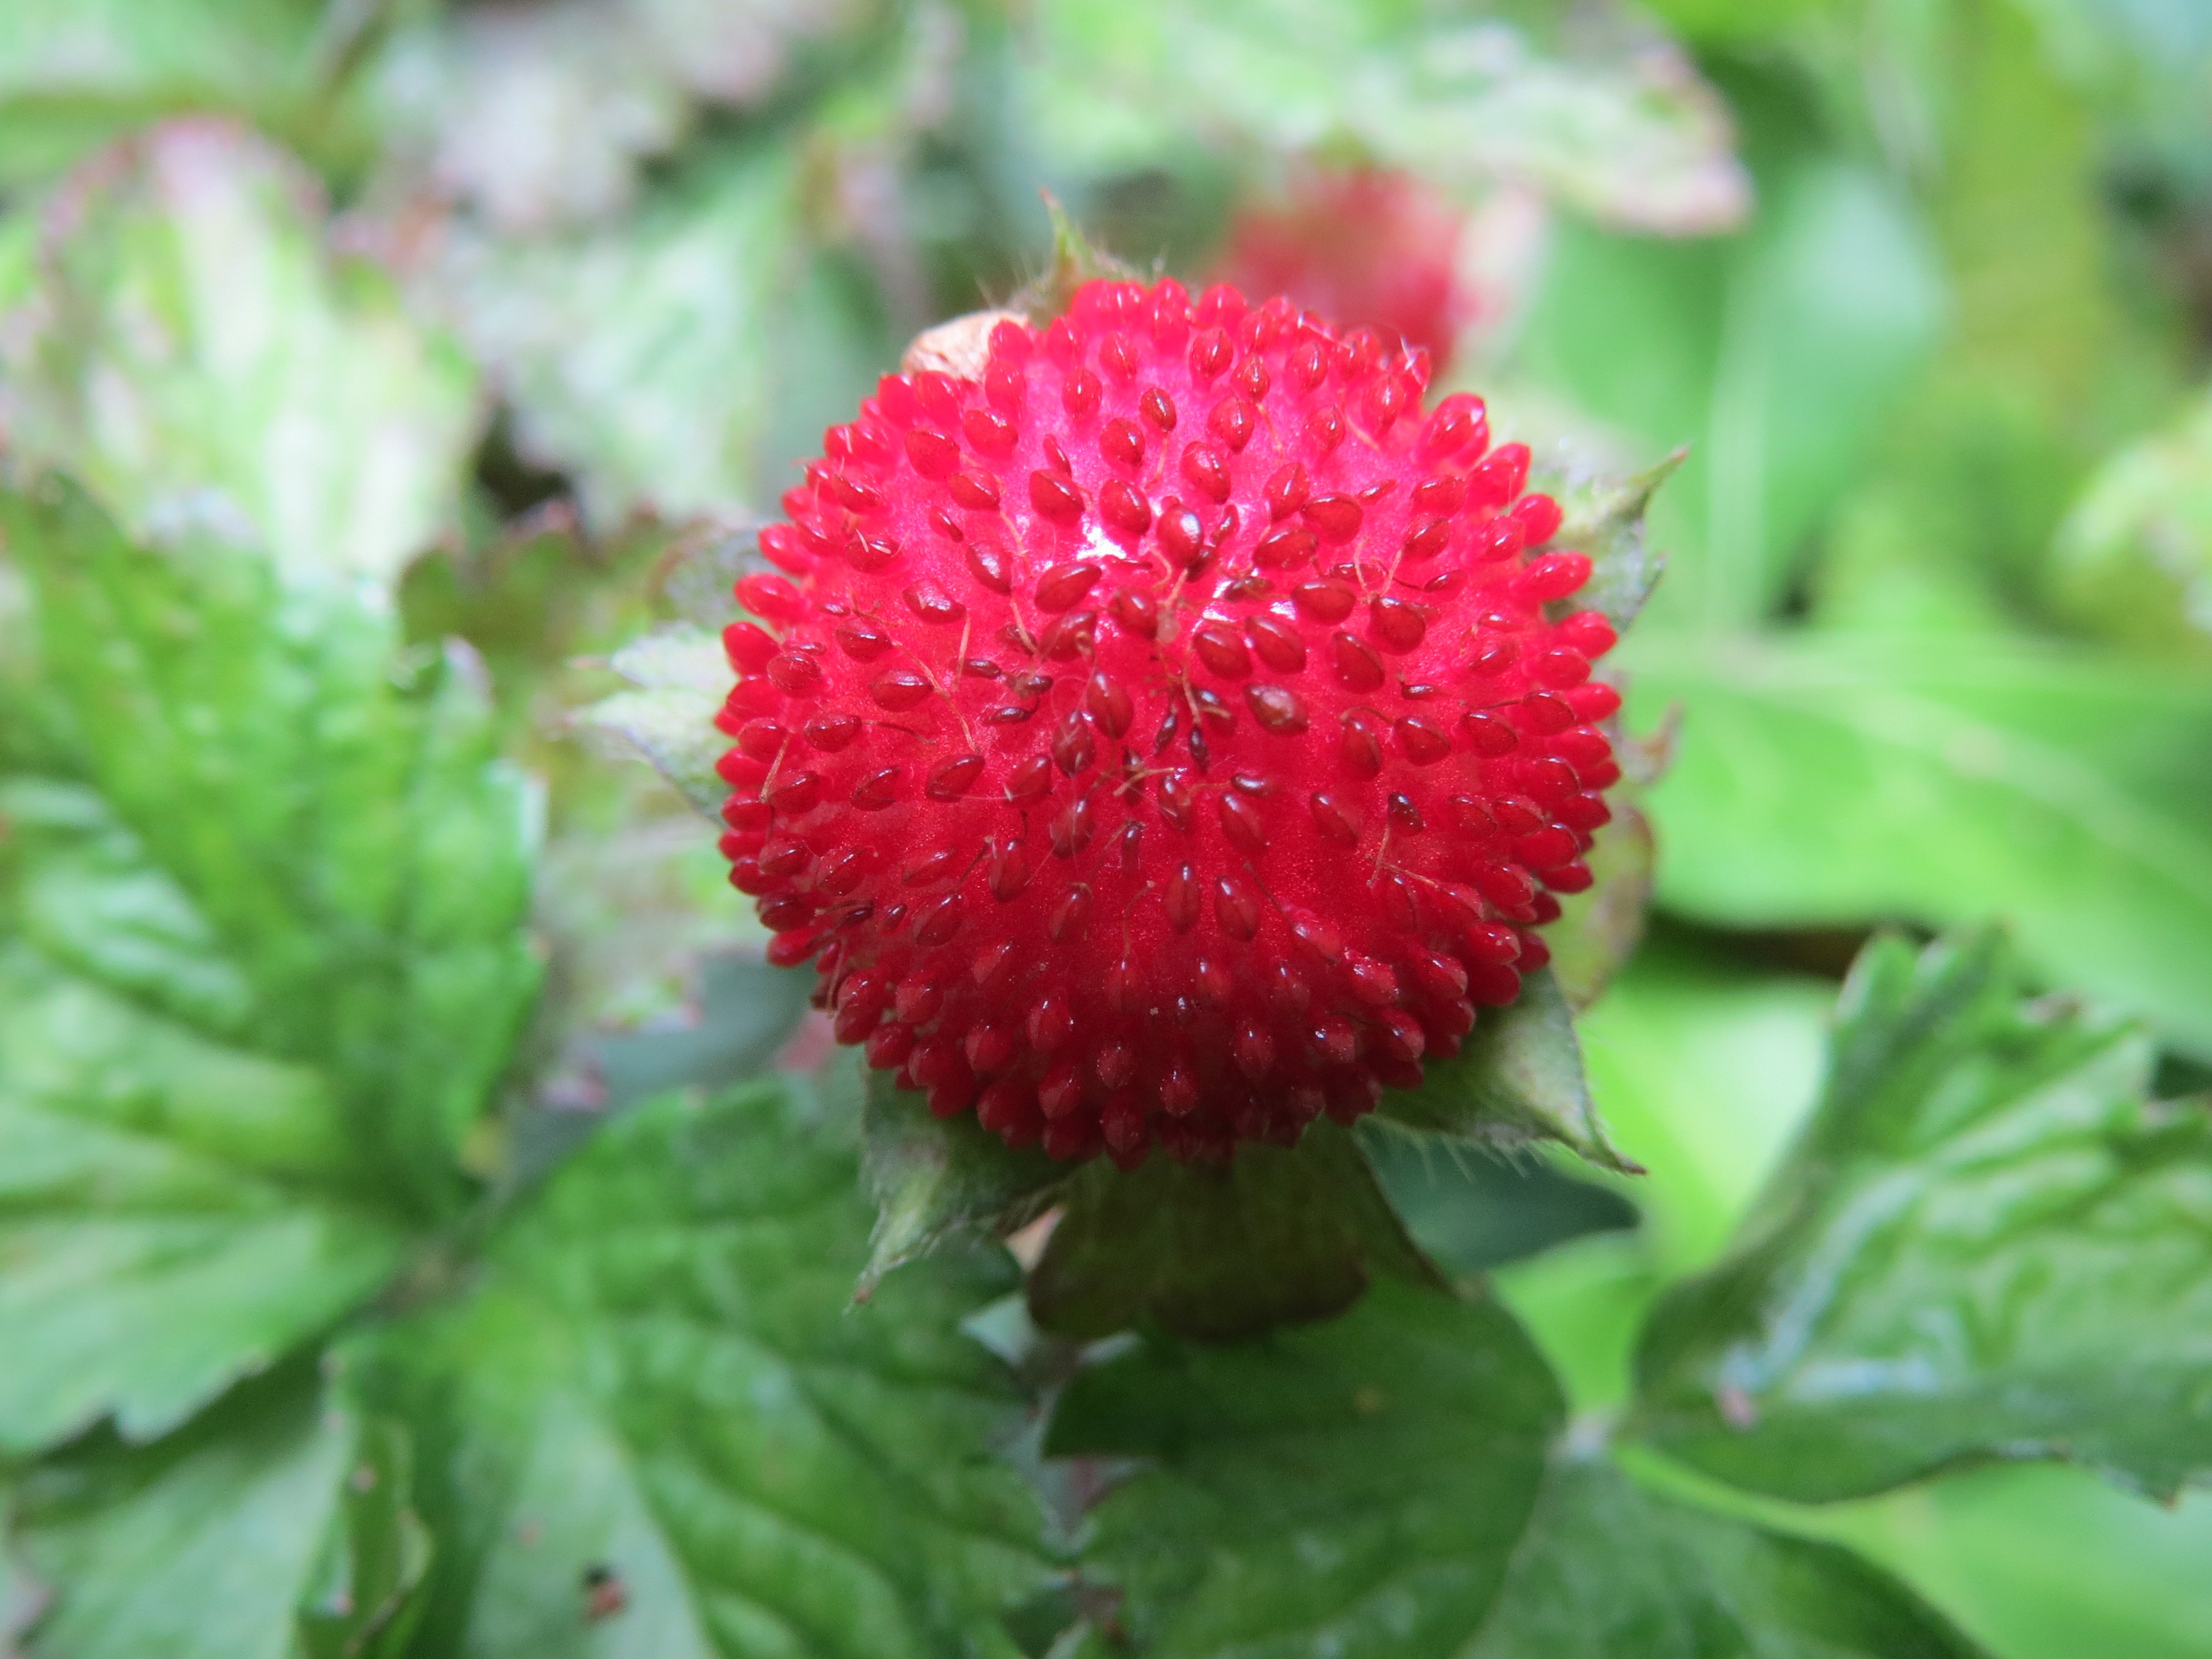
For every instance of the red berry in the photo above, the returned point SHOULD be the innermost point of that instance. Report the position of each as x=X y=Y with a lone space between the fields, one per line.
x=1367 y=246
x=1130 y=789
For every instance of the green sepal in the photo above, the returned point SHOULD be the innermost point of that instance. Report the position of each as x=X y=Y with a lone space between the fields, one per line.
x=1604 y=517
x=1219 y=1251
x=1076 y=259
x=1518 y=1077
x=935 y=1179
x=681 y=678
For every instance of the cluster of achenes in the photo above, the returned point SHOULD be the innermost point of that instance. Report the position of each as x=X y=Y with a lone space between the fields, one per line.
x=1165 y=735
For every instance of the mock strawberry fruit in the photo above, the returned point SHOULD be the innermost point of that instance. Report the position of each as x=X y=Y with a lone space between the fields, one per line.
x=1364 y=246
x=1163 y=737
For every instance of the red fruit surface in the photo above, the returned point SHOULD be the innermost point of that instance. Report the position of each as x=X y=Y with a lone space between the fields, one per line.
x=1367 y=246
x=1162 y=739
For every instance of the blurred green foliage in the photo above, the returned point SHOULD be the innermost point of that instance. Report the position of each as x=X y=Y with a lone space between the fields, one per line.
x=410 y=360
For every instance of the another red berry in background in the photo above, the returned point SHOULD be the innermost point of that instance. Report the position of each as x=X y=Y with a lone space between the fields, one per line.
x=1162 y=738
x=1363 y=247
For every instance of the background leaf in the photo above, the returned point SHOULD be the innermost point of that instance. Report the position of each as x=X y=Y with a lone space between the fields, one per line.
x=1605 y=117
x=744 y=1017
x=1356 y=1487
x=643 y=357
x=363 y=1599
x=260 y=933
x=1706 y=1059
x=1771 y=355
x=747 y=1010
x=659 y=1375
x=355 y=852
x=2134 y=558
x=233 y=1541
x=1705 y=1070
x=73 y=73
x=151 y=1253
x=192 y=352
x=23 y=1597
x=1846 y=780
x=632 y=897
x=1984 y=1247
x=2044 y=1560
x=540 y=116
x=1611 y=1571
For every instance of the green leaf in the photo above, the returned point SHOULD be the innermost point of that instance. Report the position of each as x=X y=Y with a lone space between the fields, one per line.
x=2043 y=312
x=1609 y=118
x=1583 y=1304
x=534 y=118
x=2042 y=1561
x=1354 y=1487
x=261 y=967
x=1610 y=1572
x=152 y=1251
x=1773 y=354
x=1600 y=927
x=660 y=1381
x=358 y=858
x=740 y=1015
x=1704 y=1071
x=1849 y=780
x=541 y=601
x=747 y=1010
x=538 y=117
x=633 y=897
x=23 y=1597
x=637 y=356
x=1604 y=517
x=194 y=353
x=682 y=677
x=279 y=1527
x=936 y=1178
x=2134 y=558
x=635 y=904
x=362 y=1598
x=1518 y=1077
x=1379 y=1485
x=2049 y=360
x=1216 y=1251
x=73 y=73
x=1985 y=1245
